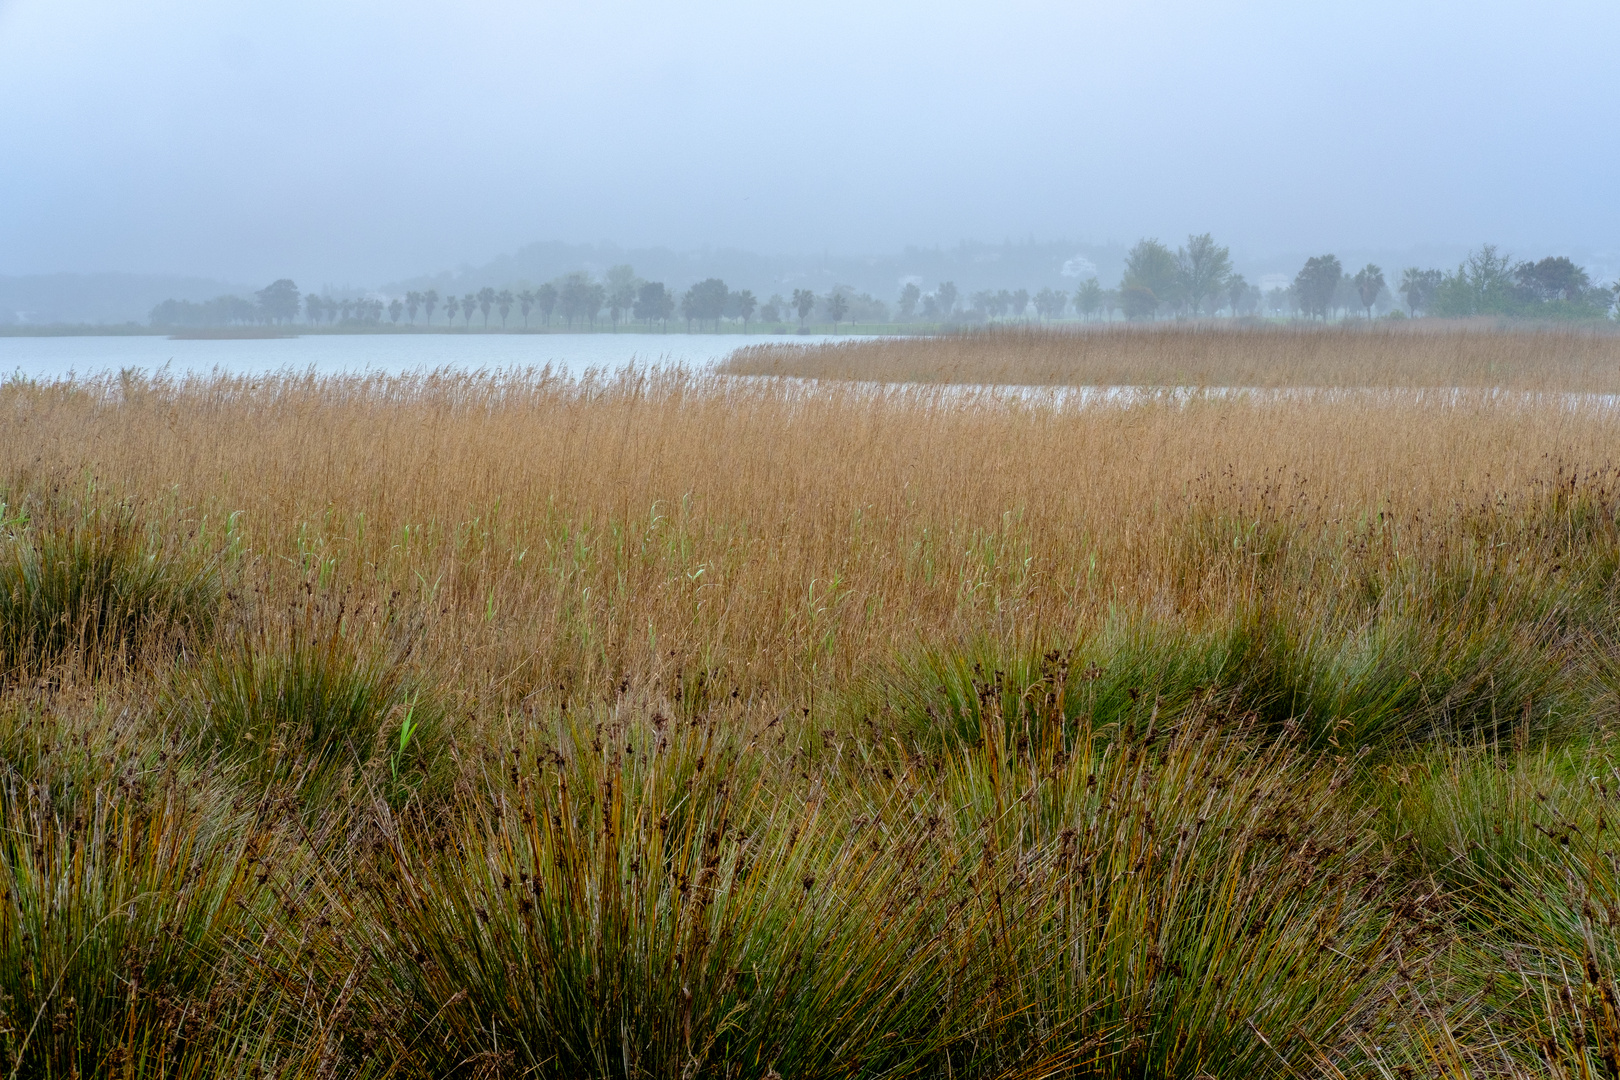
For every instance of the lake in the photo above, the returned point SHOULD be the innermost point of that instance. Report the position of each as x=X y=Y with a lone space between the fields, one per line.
x=332 y=354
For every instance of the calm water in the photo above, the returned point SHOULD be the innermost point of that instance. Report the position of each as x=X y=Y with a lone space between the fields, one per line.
x=388 y=353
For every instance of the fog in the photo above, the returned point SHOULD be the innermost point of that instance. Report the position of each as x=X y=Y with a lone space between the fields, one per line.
x=373 y=141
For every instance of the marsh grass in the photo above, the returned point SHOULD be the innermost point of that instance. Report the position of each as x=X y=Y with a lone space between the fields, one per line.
x=676 y=724
x=90 y=585
x=658 y=898
x=1443 y=356
x=129 y=913
x=314 y=703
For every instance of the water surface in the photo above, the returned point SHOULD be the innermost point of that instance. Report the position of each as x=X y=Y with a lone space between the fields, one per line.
x=332 y=354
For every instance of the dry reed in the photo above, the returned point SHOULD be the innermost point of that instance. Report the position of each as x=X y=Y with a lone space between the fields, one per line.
x=1445 y=355
x=781 y=534
x=770 y=727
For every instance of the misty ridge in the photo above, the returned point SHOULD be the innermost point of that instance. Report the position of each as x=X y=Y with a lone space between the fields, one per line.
x=1194 y=280
x=549 y=286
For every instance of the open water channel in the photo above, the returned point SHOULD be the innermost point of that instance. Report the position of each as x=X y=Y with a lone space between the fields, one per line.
x=333 y=354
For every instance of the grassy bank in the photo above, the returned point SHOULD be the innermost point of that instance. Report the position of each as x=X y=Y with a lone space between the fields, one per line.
x=676 y=724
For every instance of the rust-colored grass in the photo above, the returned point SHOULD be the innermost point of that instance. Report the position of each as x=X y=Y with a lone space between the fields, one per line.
x=1443 y=355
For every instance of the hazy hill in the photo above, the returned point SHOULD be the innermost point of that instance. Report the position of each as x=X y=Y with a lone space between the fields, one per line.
x=970 y=265
x=44 y=299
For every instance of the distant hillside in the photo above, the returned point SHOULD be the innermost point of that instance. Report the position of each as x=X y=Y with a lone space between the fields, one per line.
x=45 y=299
x=971 y=266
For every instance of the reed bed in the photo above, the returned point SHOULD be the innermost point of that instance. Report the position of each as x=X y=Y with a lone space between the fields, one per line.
x=1434 y=355
x=668 y=723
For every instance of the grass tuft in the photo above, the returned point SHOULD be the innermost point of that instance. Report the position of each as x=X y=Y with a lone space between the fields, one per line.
x=94 y=587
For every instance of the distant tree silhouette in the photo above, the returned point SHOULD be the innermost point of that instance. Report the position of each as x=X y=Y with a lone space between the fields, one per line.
x=1019 y=304
x=1237 y=293
x=413 y=300
x=909 y=296
x=1138 y=302
x=469 y=304
x=804 y=301
x=653 y=303
x=430 y=300
x=486 y=300
x=580 y=298
x=1369 y=282
x=705 y=301
x=525 y=301
x=396 y=308
x=946 y=296
x=740 y=305
x=279 y=301
x=1316 y=284
x=1049 y=303
x=545 y=299
x=503 y=304
x=1088 y=298
x=837 y=307
x=1553 y=278
x=622 y=284
x=1202 y=269
x=313 y=309
x=1149 y=279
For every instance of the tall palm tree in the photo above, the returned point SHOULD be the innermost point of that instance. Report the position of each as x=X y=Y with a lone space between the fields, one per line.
x=525 y=301
x=503 y=304
x=469 y=304
x=430 y=300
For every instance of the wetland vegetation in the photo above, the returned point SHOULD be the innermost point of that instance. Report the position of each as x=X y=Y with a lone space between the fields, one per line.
x=681 y=724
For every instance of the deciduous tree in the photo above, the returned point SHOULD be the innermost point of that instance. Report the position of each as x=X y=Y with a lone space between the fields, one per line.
x=1237 y=294
x=1316 y=284
x=1149 y=279
x=908 y=300
x=707 y=301
x=279 y=301
x=1203 y=267
x=1019 y=304
x=1088 y=298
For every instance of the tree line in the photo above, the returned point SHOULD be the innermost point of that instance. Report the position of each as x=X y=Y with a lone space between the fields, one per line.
x=1195 y=280
x=1198 y=278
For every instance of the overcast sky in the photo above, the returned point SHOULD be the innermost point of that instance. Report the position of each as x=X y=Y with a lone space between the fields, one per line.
x=362 y=140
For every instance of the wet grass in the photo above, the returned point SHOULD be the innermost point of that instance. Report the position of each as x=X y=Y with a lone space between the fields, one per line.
x=1253 y=784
